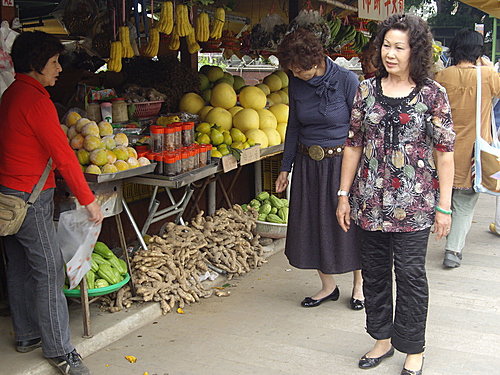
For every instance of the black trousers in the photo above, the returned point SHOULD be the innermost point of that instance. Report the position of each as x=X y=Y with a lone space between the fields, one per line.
x=379 y=250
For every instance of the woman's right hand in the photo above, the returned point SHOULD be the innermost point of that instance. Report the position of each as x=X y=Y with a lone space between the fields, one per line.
x=344 y=213
x=282 y=181
x=95 y=212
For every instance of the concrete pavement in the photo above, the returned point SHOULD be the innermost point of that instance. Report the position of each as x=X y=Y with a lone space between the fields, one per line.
x=261 y=329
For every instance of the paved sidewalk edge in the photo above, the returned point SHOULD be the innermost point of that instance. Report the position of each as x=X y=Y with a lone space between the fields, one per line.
x=141 y=317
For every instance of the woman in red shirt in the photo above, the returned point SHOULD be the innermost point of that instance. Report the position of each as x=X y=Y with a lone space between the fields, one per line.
x=30 y=134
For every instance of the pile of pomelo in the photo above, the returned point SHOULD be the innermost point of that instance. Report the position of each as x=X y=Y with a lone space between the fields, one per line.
x=99 y=150
x=237 y=115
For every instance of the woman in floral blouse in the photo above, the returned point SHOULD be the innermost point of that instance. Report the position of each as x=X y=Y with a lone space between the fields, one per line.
x=398 y=190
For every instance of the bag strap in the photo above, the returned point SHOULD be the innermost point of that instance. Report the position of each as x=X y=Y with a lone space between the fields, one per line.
x=478 y=102
x=494 y=131
x=40 y=184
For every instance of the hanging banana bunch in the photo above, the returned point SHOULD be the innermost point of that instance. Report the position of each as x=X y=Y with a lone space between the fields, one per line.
x=202 y=29
x=218 y=23
x=192 y=44
x=182 y=24
x=115 y=57
x=154 y=43
x=175 y=42
x=166 y=22
x=124 y=37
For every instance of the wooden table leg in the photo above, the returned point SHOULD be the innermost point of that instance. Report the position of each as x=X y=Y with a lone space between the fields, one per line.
x=84 y=297
x=123 y=243
x=233 y=182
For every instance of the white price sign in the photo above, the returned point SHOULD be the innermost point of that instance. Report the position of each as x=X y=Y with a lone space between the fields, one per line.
x=8 y=3
x=379 y=9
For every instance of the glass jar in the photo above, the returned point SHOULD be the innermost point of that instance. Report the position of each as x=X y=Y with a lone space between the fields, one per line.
x=187 y=133
x=119 y=110
x=94 y=112
x=158 y=158
x=169 y=164
x=156 y=138
x=169 y=138
x=195 y=156
x=202 y=155
x=185 y=161
x=209 y=154
x=178 y=134
x=178 y=162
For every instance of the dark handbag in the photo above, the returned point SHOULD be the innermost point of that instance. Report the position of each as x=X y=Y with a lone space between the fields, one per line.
x=13 y=209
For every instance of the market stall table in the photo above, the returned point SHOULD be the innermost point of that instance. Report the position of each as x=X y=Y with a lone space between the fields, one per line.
x=210 y=173
x=108 y=190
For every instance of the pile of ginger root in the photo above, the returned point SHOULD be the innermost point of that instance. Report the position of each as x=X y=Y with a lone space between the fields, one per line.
x=169 y=271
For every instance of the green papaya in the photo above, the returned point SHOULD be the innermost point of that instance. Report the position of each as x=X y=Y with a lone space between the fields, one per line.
x=272 y=218
x=265 y=209
x=103 y=250
x=263 y=196
x=276 y=202
x=100 y=283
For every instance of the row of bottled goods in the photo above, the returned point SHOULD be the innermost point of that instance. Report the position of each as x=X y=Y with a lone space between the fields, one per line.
x=181 y=160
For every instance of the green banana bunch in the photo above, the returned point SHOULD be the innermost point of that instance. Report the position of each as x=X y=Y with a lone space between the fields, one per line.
x=334 y=26
x=360 y=41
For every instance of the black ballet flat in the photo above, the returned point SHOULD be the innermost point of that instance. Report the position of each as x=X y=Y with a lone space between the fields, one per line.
x=309 y=302
x=26 y=346
x=405 y=371
x=356 y=304
x=366 y=363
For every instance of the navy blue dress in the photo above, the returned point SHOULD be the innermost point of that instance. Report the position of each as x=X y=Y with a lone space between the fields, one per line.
x=319 y=115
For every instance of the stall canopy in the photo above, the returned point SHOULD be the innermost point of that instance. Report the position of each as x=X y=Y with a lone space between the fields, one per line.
x=492 y=7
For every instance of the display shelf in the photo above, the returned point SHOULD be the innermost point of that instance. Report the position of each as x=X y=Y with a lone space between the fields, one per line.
x=106 y=177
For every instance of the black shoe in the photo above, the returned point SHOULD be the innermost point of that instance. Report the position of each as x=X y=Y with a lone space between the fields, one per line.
x=70 y=364
x=405 y=371
x=366 y=363
x=25 y=346
x=309 y=302
x=357 y=304
x=411 y=372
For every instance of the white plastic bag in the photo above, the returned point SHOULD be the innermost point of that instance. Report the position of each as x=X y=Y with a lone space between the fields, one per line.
x=6 y=64
x=77 y=237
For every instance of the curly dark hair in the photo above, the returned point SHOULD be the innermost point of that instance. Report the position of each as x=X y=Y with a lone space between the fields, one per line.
x=300 y=49
x=467 y=45
x=420 y=39
x=32 y=49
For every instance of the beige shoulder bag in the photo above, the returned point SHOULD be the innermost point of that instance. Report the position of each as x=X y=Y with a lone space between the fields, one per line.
x=13 y=209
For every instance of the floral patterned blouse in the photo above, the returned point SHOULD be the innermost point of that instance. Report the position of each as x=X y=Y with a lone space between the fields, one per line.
x=396 y=187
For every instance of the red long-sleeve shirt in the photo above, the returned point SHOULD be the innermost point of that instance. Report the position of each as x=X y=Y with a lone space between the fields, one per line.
x=30 y=134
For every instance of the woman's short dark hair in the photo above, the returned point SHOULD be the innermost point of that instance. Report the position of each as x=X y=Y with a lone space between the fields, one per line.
x=467 y=45
x=32 y=49
x=420 y=40
x=300 y=49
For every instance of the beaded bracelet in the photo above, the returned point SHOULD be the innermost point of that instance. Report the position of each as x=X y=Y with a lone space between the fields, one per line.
x=443 y=211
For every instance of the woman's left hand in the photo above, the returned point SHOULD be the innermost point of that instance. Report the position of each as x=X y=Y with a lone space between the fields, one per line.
x=442 y=225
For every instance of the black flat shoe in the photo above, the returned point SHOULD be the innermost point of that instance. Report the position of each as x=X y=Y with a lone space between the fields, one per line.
x=26 y=346
x=309 y=302
x=405 y=371
x=357 y=304
x=366 y=363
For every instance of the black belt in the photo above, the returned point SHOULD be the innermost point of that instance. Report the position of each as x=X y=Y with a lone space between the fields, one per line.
x=316 y=152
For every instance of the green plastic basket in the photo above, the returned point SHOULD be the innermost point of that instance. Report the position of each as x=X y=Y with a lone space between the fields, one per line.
x=98 y=291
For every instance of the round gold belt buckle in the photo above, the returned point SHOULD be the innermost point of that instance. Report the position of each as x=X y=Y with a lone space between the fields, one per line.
x=316 y=152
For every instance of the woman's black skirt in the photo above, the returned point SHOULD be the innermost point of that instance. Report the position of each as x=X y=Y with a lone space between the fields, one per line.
x=314 y=238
